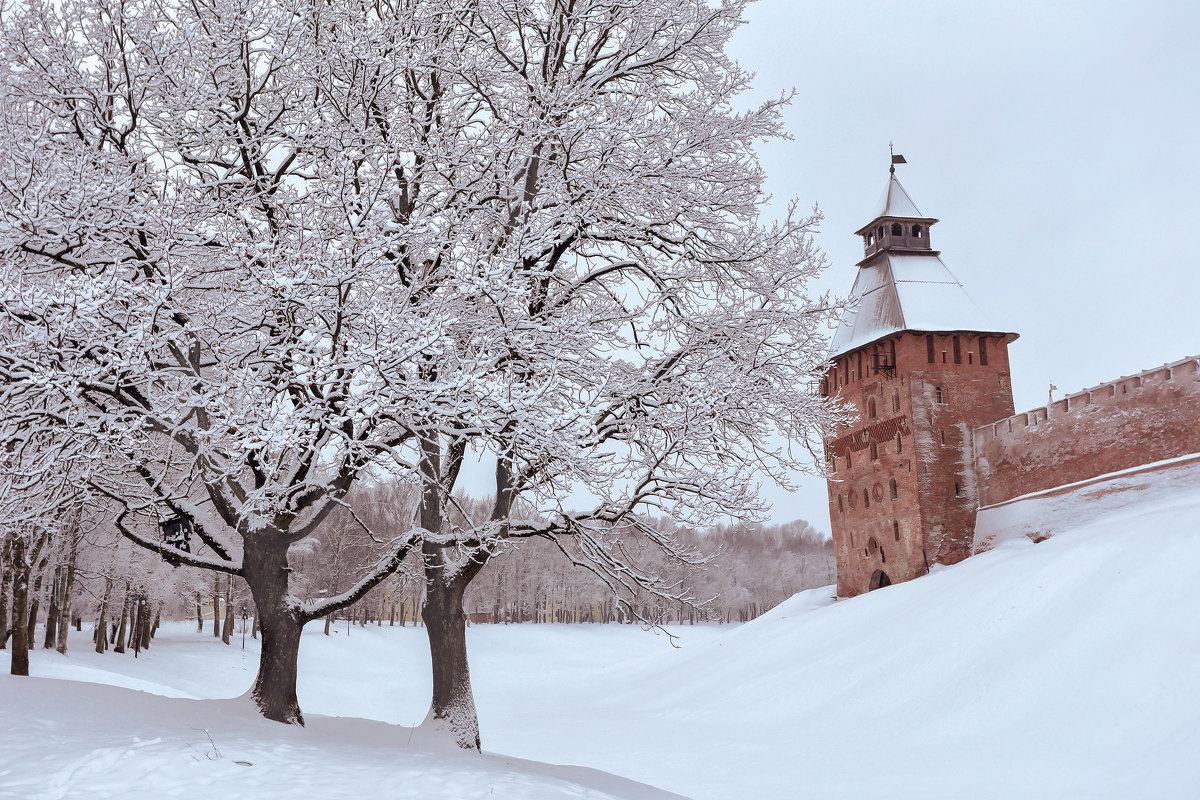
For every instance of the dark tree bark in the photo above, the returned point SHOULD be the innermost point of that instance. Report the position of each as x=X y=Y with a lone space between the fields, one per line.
x=199 y=615
x=34 y=605
x=266 y=570
x=146 y=619
x=53 y=609
x=216 y=601
x=68 y=589
x=20 y=644
x=101 y=636
x=6 y=568
x=227 y=628
x=119 y=640
x=453 y=707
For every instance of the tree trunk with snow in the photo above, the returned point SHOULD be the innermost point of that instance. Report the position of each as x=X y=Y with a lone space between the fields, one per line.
x=453 y=708
x=274 y=692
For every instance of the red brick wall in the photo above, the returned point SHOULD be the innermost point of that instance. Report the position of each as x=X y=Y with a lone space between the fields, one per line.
x=1114 y=426
x=927 y=521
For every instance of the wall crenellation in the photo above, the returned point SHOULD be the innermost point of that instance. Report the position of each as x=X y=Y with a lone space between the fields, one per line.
x=1133 y=420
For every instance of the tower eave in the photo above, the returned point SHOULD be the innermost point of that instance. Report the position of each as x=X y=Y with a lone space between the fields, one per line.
x=1009 y=338
x=865 y=229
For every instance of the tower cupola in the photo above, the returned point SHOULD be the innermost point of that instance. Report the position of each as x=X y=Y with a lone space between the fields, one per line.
x=899 y=226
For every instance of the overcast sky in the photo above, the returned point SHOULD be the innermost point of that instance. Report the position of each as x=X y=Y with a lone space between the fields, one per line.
x=1057 y=142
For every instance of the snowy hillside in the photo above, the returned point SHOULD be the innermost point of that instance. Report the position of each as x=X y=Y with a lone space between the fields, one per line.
x=1059 y=669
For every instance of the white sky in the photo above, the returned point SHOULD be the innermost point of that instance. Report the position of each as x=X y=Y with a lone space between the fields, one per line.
x=1057 y=142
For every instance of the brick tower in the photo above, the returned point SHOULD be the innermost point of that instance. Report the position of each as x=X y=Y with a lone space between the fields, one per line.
x=922 y=367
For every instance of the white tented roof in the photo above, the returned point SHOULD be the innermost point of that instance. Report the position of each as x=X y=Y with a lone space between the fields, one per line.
x=896 y=202
x=895 y=293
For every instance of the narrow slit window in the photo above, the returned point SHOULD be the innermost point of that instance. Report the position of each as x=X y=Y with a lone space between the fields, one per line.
x=957 y=350
x=895 y=401
x=929 y=347
x=867 y=496
x=982 y=351
x=871 y=407
x=841 y=505
x=899 y=443
x=894 y=488
x=896 y=530
x=874 y=450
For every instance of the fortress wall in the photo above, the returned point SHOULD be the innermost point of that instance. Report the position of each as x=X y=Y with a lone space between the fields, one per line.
x=1134 y=420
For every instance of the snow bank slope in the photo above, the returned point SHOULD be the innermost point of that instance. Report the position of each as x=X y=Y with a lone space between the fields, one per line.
x=1061 y=669
x=68 y=739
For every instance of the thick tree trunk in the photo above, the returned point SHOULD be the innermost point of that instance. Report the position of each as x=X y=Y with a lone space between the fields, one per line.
x=20 y=644
x=265 y=569
x=453 y=707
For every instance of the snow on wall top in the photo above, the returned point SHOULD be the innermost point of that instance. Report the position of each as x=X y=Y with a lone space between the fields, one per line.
x=895 y=293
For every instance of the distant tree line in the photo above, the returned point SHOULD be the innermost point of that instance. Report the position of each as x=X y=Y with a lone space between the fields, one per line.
x=82 y=570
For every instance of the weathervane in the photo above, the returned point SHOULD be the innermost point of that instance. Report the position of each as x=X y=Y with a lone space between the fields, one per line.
x=895 y=159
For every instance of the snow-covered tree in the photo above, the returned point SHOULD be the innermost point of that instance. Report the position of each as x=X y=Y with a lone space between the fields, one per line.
x=254 y=249
x=646 y=342
x=211 y=303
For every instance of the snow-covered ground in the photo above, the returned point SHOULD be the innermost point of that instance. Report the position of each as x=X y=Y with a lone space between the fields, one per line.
x=1064 y=669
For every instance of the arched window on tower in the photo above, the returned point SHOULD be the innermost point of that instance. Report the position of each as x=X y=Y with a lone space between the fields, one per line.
x=897 y=229
x=894 y=488
x=917 y=233
x=938 y=395
x=899 y=443
x=874 y=450
x=896 y=400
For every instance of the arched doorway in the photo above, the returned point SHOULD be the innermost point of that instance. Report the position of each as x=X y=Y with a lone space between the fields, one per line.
x=879 y=579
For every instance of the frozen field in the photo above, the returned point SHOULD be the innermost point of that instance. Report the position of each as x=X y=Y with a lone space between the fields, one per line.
x=1064 y=669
